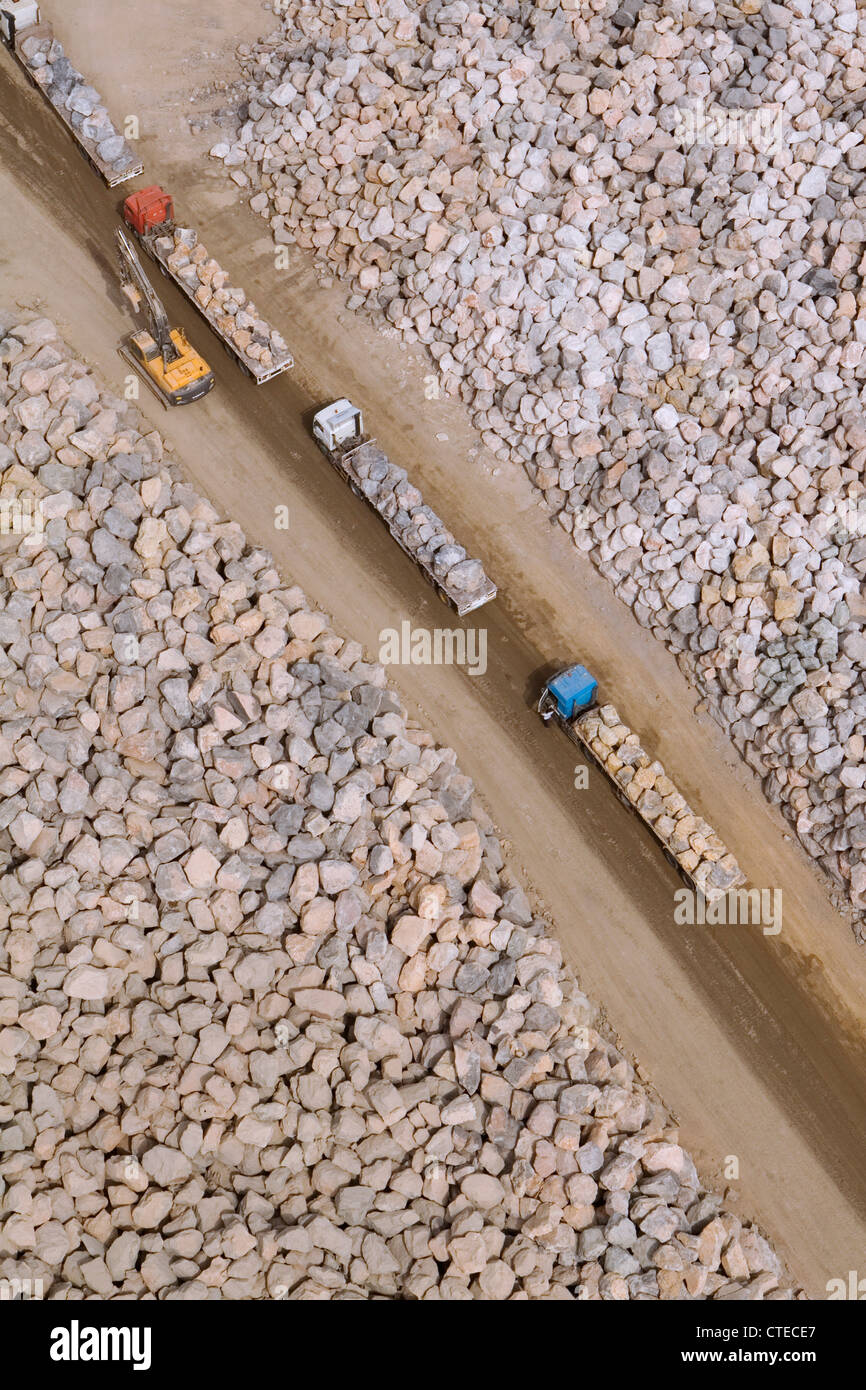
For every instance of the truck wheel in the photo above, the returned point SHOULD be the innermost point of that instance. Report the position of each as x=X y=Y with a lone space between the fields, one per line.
x=229 y=352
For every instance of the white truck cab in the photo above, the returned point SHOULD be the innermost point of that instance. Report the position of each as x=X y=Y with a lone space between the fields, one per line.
x=16 y=15
x=338 y=424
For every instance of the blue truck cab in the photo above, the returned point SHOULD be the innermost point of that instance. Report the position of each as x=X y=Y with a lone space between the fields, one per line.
x=568 y=694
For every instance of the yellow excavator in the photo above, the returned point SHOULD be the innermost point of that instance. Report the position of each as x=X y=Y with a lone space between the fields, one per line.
x=163 y=356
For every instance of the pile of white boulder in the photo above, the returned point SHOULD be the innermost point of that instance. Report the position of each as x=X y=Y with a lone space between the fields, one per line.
x=275 y=1018
x=633 y=240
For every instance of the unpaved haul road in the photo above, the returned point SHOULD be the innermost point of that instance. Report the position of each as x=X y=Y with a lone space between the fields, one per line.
x=755 y=1042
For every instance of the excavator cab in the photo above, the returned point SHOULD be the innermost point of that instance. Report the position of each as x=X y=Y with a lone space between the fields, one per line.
x=186 y=378
x=163 y=356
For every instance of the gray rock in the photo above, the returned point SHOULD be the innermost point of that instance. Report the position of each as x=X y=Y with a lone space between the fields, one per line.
x=112 y=148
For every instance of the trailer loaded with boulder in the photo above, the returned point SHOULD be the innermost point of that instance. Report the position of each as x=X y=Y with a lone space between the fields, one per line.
x=458 y=578
x=78 y=105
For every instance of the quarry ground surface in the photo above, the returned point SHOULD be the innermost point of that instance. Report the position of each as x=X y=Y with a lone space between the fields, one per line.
x=754 y=1042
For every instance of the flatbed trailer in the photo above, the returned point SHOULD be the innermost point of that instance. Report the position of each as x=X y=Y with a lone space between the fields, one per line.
x=149 y=215
x=357 y=459
x=23 y=39
x=283 y=361
x=569 y=701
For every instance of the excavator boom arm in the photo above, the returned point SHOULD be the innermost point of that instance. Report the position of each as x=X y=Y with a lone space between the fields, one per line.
x=132 y=274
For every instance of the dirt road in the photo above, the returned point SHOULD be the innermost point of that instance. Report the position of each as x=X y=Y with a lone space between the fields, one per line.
x=755 y=1042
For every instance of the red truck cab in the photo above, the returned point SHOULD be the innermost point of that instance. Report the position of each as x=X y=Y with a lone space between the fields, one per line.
x=149 y=208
